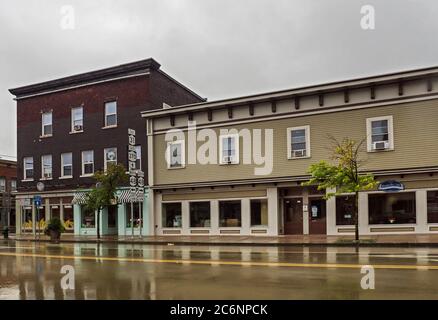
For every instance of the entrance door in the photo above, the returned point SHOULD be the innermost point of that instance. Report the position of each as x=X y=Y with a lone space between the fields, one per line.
x=317 y=216
x=293 y=216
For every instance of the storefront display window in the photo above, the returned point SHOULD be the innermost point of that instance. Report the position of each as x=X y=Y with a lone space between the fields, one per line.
x=68 y=218
x=88 y=218
x=112 y=216
x=345 y=210
x=137 y=214
x=259 y=212
x=200 y=214
x=432 y=207
x=230 y=214
x=172 y=215
x=392 y=208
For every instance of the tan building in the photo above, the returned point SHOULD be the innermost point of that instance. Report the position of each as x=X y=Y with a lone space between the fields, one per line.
x=207 y=181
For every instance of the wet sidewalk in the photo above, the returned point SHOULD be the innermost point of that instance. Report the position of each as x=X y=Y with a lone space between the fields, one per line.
x=418 y=240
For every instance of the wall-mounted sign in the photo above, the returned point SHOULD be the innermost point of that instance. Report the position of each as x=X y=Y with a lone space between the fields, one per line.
x=391 y=186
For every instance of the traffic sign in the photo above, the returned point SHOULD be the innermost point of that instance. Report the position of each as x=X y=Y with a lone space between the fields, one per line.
x=37 y=200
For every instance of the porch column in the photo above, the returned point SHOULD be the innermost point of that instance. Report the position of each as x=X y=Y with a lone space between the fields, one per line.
x=246 y=217
x=363 y=213
x=18 y=216
x=421 y=209
x=214 y=218
x=46 y=210
x=305 y=211
x=273 y=212
x=121 y=219
x=331 y=213
x=185 y=218
x=77 y=221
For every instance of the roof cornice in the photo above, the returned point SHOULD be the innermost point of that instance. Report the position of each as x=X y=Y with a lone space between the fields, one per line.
x=369 y=81
x=127 y=69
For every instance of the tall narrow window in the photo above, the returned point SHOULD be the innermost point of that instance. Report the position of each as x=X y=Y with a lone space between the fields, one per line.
x=110 y=157
x=110 y=114
x=229 y=146
x=2 y=184
x=298 y=142
x=47 y=125
x=380 y=133
x=77 y=119
x=176 y=157
x=87 y=163
x=66 y=165
x=138 y=159
x=259 y=212
x=13 y=185
x=46 y=166
x=28 y=168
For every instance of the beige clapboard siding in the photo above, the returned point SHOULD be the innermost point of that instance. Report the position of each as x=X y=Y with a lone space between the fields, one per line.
x=415 y=139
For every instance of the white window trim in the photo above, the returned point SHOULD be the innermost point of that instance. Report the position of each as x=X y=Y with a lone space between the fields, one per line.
x=62 y=166
x=3 y=184
x=72 y=129
x=289 y=142
x=104 y=157
x=183 y=154
x=83 y=164
x=390 y=133
x=42 y=167
x=237 y=148
x=43 y=125
x=110 y=114
x=24 y=169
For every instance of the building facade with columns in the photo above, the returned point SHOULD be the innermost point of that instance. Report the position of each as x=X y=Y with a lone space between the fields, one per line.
x=236 y=166
x=69 y=128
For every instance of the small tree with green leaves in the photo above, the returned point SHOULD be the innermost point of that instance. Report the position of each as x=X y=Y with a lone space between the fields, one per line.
x=344 y=175
x=104 y=193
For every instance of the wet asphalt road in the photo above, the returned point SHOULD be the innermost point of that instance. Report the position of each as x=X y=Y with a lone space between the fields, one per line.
x=32 y=271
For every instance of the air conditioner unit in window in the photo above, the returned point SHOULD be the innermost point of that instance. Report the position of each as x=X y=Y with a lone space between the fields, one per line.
x=380 y=145
x=228 y=159
x=298 y=153
x=77 y=128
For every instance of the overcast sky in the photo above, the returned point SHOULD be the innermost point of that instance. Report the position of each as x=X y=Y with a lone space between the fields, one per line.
x=218 y=48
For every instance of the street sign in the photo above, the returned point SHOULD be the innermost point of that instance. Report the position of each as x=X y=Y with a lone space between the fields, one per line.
x=37 y=200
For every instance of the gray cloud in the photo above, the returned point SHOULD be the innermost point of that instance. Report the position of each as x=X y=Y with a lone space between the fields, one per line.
x=219 y=48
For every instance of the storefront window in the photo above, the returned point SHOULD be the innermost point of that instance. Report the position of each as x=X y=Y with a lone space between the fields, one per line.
x=112 y=216
x=432 y=207
x=230 y=214
x=200 y=214
x=392 y=208
x=68 y=218
x=88 y=218
x=137 y=214
x=172 y=215
x=259 y=212
x=345 y=210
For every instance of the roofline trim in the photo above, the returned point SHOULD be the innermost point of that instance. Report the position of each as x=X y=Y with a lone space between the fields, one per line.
x=300 y=91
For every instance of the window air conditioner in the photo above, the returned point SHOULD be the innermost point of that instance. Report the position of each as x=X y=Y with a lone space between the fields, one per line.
x=228 y=159
x=380 y=145
x=299 y=153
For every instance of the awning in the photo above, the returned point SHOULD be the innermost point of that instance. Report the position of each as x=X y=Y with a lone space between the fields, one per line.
x=79 y=198
x=124 y=196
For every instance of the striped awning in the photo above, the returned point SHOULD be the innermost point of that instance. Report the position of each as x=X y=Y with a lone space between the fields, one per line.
x=125 y=196
x=79 y=198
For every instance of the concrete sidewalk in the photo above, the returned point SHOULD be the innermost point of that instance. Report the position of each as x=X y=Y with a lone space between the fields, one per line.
x=423 y=240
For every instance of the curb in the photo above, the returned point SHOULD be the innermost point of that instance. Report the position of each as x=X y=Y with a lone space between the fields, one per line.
x=246 y=244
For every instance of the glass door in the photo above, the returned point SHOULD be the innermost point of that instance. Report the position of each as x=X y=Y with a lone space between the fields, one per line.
x=317 y=216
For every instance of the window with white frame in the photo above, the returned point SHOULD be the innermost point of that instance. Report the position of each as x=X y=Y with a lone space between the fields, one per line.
x=110 y=157
x=298 y=142
x=77 y=119
x=67 y=165
x=380 y=134
x=13 y=185
x=87 y=163
x=229 y=149
x=176 y=154
x=2 y=184
x=47 y=124
x=110 y=114
x=138 y=158
x=28 y=168
x=46 y=167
